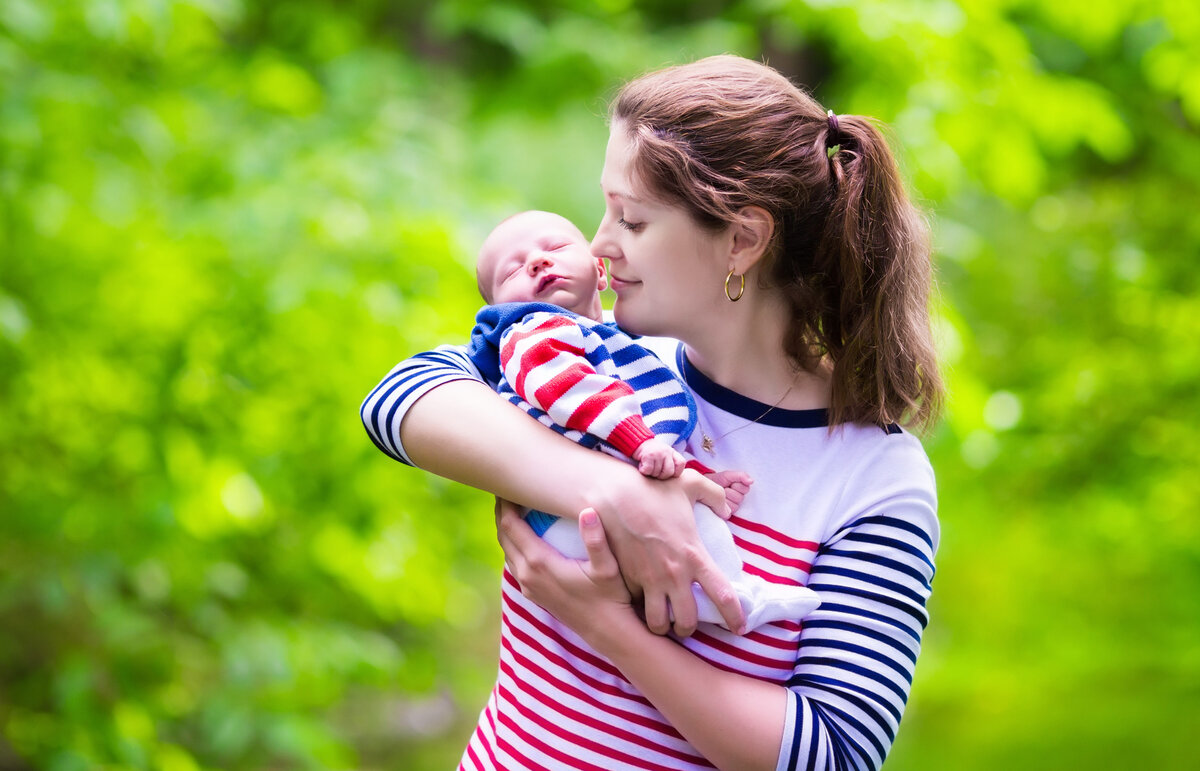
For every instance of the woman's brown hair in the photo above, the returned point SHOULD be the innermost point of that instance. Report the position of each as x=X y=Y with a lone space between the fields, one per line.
x=849 y=251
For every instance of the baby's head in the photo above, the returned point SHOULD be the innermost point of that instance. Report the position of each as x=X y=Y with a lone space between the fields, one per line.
x=537 y=256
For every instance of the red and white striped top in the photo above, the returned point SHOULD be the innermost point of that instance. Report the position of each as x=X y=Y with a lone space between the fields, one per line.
x=545 y=359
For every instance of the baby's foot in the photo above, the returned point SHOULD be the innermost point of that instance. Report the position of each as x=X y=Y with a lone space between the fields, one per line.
x=736 y=484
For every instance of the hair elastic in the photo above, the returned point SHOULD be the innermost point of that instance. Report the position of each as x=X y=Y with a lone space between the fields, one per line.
x=832 y=143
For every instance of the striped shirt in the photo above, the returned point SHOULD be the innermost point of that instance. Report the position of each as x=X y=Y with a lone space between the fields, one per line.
x=850 y=513
x=585 y=375
x=580 y=374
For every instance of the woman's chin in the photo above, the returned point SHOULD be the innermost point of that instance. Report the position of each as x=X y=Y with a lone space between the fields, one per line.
x=630 y=319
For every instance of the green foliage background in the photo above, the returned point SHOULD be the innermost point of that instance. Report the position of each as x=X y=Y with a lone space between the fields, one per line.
x=223 y=220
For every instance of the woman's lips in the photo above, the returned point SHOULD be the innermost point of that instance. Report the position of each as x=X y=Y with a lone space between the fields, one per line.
x=618 y=283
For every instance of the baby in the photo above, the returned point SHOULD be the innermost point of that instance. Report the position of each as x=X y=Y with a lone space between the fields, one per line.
x=542 y=341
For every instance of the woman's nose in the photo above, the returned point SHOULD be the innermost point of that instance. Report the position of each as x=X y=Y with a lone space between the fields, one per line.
x=603 y=246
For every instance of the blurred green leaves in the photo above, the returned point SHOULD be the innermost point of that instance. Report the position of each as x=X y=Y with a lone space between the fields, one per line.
x=221 y=222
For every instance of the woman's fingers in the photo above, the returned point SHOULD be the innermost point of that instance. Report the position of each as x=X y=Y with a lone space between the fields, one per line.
x=683 y=608
x=675 y=609
x=504 y=510
x=516 y=537
x=720 y=591
x=591 y=530
x=655 y=608
x=706 y=491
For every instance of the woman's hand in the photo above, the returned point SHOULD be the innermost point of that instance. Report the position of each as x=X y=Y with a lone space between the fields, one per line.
x=585 y=595
x=649 y=523
x=652 y=530
x=696 y=698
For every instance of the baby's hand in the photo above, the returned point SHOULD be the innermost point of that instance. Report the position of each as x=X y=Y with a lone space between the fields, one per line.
x=736 y=484
x=657 y=459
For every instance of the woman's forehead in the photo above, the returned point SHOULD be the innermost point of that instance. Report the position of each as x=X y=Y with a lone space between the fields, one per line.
x=615 y=178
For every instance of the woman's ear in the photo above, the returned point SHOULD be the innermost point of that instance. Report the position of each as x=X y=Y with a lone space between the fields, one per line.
x=602 y=284
x=752 y=233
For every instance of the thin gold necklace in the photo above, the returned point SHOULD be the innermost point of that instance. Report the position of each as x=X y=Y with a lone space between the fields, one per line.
x=708 y=443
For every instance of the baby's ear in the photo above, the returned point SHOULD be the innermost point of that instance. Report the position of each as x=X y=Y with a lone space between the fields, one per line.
x=602 y=284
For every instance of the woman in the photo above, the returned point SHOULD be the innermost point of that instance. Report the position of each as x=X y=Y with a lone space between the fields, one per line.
x=776 y=243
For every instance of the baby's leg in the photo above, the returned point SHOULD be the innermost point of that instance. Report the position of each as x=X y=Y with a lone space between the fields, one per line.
x=761 y=600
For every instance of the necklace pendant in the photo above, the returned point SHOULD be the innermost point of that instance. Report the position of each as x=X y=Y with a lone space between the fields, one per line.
x=707 y=444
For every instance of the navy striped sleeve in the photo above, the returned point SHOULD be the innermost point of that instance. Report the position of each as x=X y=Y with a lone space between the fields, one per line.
x=386 y=405
x=858 y=650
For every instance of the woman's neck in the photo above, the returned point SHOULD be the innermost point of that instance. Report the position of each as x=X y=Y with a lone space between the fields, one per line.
x=741 y=348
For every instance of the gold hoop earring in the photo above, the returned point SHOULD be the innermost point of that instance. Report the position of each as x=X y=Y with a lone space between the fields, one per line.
x=741 y=289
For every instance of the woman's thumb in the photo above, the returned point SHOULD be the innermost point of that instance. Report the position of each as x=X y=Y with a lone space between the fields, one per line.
x=591 y=530
x=703 y=490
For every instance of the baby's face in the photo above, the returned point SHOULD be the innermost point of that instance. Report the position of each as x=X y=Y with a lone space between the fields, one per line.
x=540 y=257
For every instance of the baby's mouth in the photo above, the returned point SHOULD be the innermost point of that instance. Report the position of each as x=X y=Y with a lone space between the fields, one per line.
x=546 y=281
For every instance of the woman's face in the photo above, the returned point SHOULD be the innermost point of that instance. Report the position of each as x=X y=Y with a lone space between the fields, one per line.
x=667 y=271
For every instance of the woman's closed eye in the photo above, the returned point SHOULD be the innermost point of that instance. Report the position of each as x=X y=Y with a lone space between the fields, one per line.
x=634 y=226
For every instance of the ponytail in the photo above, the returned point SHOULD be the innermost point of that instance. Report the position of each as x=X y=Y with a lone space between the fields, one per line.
x=871 y=278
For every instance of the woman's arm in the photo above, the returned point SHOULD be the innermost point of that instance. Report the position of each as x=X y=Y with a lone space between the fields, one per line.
x=859 y=649
x=464 y=431
x=435 y=412
x=384 y=408
x=842 y=706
